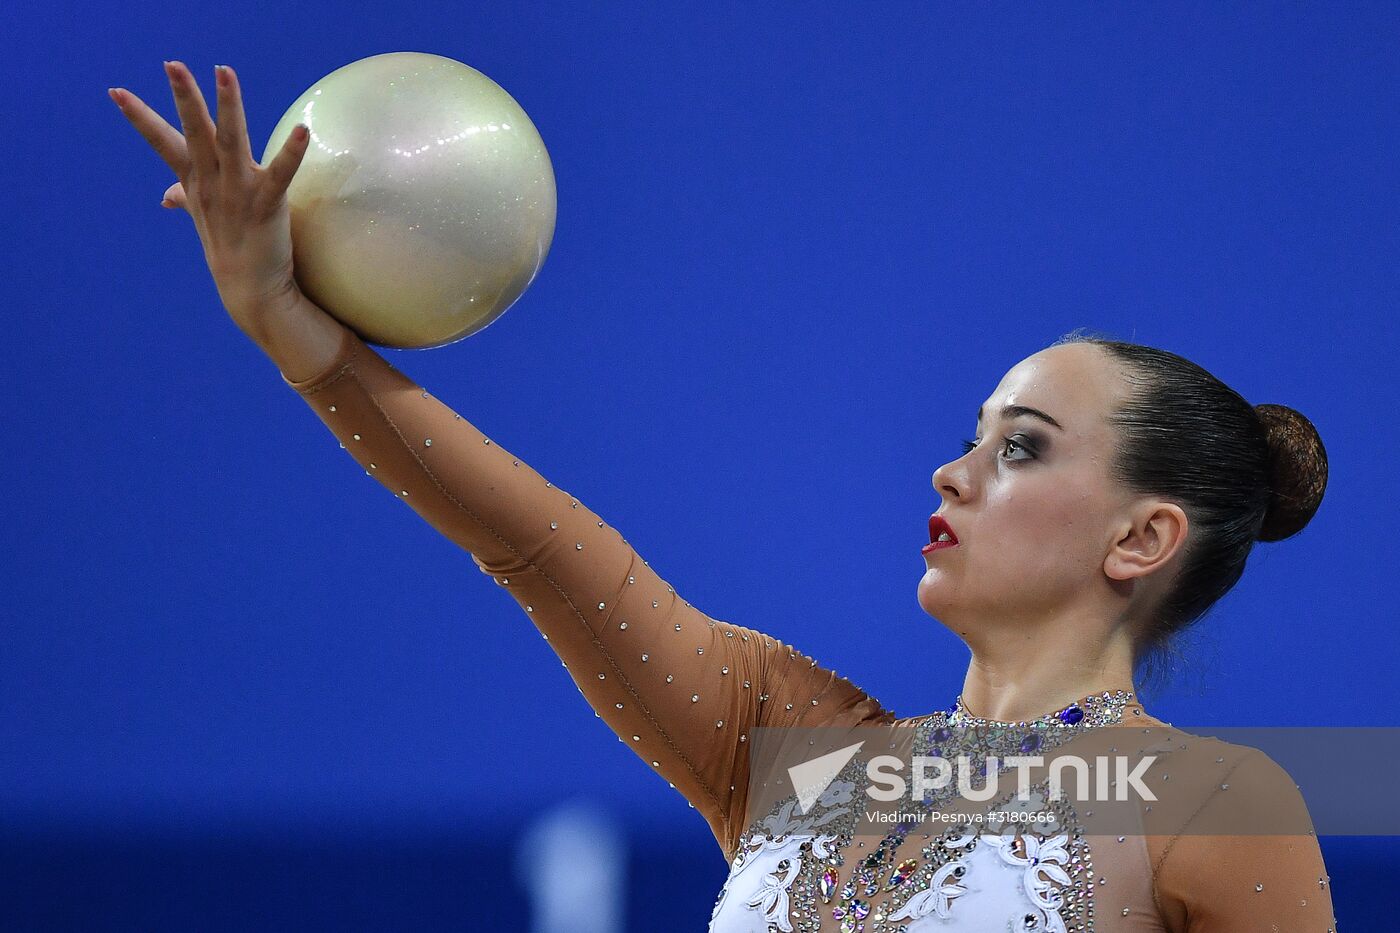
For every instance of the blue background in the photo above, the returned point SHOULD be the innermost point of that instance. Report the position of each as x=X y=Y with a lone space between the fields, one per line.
x=797 y=246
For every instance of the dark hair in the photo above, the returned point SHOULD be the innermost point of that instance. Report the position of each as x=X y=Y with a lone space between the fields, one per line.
x=1241 y=472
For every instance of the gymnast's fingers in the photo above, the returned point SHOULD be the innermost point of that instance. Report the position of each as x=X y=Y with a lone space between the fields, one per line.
x=162 y=137
x=174 y=196
x=195 y=120
x=288 y=159
x=235 y=152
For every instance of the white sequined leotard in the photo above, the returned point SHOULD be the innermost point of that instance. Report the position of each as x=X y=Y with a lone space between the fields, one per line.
x=685 y=692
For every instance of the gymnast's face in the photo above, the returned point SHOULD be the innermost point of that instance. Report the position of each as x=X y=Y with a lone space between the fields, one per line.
x=1033 y=505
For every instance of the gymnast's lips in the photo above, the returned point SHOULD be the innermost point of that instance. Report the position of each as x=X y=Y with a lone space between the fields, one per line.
x=941 y=534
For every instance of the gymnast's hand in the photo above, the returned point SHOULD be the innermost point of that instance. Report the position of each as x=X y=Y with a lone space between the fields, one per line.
x=239 y=208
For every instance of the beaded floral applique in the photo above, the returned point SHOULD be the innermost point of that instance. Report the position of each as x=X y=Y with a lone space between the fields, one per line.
x=893 y=887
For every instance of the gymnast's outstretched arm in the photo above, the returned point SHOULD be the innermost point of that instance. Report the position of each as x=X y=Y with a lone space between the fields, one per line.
x=681 y=689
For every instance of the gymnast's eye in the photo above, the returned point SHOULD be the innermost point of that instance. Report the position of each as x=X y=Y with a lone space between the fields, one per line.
x=1007 y=443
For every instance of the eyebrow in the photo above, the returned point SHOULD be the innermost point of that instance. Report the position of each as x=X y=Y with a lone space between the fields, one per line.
x=1014 y=411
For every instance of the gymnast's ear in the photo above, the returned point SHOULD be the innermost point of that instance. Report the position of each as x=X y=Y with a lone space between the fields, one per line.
x=1148 y=538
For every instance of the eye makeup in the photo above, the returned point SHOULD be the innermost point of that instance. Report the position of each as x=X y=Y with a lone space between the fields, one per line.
x=1022 y=441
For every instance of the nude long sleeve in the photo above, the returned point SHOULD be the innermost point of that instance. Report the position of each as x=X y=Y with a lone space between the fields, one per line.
x=1210 y=881
x=681 y=689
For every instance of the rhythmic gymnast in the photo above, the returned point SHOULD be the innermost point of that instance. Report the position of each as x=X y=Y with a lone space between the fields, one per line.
x=1112 y=494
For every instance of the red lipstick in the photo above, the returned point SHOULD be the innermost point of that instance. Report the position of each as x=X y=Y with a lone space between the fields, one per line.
x=940 y=534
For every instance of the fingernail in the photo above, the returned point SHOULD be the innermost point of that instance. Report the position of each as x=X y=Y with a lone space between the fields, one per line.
x=221 y=74
x=166 y=202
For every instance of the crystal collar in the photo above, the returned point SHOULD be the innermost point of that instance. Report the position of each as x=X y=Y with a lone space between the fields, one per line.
x=1096 y=709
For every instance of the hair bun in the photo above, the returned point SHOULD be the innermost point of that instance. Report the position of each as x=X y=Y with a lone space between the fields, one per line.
x=1297 y=471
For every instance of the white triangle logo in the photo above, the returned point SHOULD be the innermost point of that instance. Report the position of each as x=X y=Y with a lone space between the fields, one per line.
x=811 y=778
